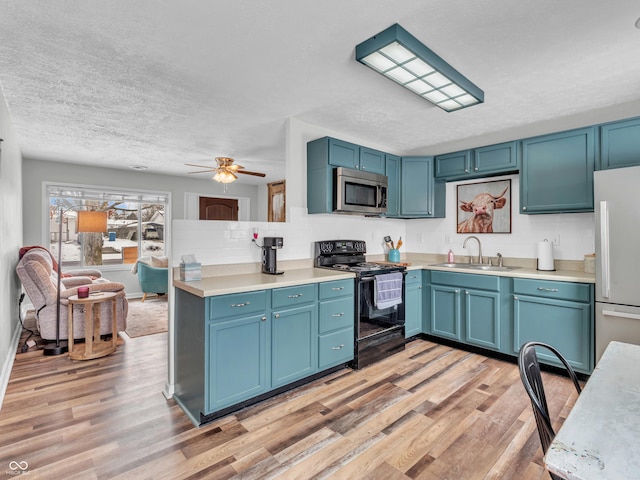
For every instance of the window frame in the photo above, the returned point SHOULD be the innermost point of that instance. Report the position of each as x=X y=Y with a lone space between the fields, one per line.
x=45 y=223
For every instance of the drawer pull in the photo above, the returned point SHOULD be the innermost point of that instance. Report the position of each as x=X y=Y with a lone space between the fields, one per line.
x=542 y=289
x=337 y=289
x=240 y=304
x=339 y=347
x=341 y=314
x=297 y=295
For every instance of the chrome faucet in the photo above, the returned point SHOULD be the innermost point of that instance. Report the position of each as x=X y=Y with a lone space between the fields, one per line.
x=464 y=245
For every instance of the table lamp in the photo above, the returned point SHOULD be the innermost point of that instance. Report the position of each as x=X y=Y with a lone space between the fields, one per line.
x=87 y=222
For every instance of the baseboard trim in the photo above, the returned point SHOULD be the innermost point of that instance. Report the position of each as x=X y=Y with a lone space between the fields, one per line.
x=7 y=364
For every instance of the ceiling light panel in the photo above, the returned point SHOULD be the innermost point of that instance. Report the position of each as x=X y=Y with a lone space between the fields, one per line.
x=398 y=55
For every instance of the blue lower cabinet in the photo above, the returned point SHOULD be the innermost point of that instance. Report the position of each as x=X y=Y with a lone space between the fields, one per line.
x=413 y=303
x=294 y=353
x=238 y=354
x=446 y=312
x=335 y=348
x=482 y=318
x=336 y=323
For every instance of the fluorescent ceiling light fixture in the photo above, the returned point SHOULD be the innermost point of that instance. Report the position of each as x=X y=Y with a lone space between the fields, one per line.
x=400 y=56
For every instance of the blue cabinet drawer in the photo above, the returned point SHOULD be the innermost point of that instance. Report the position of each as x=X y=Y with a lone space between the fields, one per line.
x=335 y=348
x=292 y=296
x=466 y=280
x=225 y=306
x=336 y=314
x=579 y=292
x=413 y=277
x=338 y=288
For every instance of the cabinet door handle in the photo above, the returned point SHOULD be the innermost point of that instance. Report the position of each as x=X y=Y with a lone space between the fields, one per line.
x=339 y=347
x=524 y=208
x=542 y=289
x=515 y=297
x=420 y=287
x=264 y=319
x=476 y=169
x=277 y=315
x=240 y=304
x=337 y=289
x=297 y=295
x=341 y=314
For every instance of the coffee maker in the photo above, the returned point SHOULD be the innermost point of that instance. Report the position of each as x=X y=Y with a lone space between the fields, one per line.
x=269 y=247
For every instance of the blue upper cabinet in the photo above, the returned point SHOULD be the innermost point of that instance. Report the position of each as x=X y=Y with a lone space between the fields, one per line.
x=372 y=160
x=392 y=171
x=342 y=154
x=453 y=165
x=420 y=196
x=480 y=162
x=620 y=144
x=557 y=172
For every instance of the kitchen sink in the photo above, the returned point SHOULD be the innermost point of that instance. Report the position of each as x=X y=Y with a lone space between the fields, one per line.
x=475 y=266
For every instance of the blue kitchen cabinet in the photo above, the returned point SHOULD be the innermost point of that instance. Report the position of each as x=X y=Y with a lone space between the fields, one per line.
x=413 y=303
x=238 y=361
x=336 y=323
x=420 y=196
x=620 y=144
x=479 y=162
x=372 y=161
x=392 y=171
x=294 y=317
x=341 y=153
x=237 y=349
x=556 y=175
x=446 y=312
x=557 y=313
x=471 y=309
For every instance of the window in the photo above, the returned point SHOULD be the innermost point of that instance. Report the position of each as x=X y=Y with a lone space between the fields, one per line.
x=135 y=225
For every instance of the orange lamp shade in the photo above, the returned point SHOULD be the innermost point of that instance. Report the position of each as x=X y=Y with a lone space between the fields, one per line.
x=89 y=221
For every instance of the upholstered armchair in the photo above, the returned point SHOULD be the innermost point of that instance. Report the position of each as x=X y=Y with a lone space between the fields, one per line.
x=40 y=281
x=153 y=276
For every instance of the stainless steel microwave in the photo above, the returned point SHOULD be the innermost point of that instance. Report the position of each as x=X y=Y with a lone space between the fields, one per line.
x=359 y=192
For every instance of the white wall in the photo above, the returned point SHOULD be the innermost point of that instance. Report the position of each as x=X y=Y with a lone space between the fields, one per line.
x=227 y=242
x=10 y=243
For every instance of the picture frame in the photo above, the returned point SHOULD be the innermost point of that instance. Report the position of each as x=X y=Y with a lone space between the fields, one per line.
x=484 y=207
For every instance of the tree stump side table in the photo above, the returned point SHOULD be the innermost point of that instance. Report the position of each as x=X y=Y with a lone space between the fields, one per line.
x=93 y=346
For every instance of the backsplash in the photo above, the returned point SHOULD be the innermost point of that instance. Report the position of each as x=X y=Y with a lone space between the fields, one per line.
x=223 y=243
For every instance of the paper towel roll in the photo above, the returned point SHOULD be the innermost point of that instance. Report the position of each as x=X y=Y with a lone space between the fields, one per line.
x=545 y=255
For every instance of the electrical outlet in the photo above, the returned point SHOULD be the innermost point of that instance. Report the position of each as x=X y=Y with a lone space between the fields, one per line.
x=421 y=238
x=555 y=239
x=447 y=238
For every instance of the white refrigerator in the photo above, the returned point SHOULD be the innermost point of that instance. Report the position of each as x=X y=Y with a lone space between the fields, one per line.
x=617 y=235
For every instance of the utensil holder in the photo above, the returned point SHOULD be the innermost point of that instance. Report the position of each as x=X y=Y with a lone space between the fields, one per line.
x=394 y=255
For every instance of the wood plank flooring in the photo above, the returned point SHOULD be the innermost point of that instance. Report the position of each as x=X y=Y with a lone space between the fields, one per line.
x=430 y=412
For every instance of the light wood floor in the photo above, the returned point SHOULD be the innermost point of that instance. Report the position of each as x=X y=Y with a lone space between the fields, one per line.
x=431 y=412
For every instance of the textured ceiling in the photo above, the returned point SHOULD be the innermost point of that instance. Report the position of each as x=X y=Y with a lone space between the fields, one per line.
x=163 y=82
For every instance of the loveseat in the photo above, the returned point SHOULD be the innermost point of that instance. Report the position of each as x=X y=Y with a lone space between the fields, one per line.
x=37 y=272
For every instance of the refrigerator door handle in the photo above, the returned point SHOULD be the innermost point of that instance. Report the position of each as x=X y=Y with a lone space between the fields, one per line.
x=612 y=313
x=604 y=248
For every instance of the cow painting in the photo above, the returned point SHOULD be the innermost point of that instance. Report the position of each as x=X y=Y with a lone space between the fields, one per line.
x=480 y=205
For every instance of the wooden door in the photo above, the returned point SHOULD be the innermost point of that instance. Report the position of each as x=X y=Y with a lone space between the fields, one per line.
x=212 y=208
x=277 y=201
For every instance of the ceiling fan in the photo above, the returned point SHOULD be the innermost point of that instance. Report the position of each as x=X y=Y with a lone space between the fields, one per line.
x=226 y=170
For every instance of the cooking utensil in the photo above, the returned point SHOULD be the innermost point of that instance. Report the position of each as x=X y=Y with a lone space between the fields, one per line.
x=388 y=241
x=399 y=243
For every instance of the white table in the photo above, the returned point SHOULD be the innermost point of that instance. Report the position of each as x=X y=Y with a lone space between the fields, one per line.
x=600 y=439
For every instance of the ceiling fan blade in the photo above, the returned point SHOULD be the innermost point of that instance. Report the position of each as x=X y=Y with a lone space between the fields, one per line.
x=203 y=171
x=234 y=167
x=255 y=174
x=201 y=166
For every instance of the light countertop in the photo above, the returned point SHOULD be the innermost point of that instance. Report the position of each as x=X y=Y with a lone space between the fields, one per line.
x=247 y=282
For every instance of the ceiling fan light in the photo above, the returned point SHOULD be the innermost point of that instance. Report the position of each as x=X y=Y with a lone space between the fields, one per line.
x=224 y=177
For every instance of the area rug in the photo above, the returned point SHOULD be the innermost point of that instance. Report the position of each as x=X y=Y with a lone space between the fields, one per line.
x=148 y=317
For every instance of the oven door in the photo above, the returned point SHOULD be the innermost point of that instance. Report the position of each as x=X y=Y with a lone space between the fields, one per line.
x=372 y=319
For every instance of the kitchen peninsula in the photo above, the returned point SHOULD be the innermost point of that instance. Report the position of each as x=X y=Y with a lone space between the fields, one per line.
x=242 y=338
